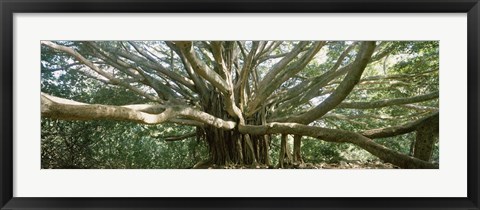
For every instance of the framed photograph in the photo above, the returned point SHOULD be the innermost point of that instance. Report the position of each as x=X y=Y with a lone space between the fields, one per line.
x=239 y=105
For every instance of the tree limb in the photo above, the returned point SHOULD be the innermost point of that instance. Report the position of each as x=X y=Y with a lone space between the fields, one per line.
x=343 y=90
x=179 y=138
x=58 y=108
x=420 y=108
x=398 y=130
x=309 y=87
x=341 y=136
x=388 y=102
x=72 y=110
x=88 y=63
x=202 y=69
x=199 y=84
x=263 y=90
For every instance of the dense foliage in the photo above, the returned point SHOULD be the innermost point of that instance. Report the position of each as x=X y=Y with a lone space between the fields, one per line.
x=267 y=82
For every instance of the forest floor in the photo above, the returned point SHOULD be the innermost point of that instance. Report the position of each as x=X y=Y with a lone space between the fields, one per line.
x=349 y=165
x=339 y=165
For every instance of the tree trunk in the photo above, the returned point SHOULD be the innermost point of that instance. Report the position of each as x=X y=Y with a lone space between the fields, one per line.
x=285 y=158
x=427 y=134
x=233 y=148
x=297 y=152
x=230 y=147
x=412 y=147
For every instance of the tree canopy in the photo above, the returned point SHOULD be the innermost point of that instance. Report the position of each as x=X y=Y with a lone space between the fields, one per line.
x=230 y=104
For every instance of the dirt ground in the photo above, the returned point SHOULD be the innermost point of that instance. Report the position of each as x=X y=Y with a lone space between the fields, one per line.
x=339 y=165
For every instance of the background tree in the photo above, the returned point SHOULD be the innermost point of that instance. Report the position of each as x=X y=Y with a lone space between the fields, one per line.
x=237 y=98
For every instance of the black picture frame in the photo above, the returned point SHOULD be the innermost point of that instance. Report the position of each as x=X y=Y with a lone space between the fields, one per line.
x=9 y=7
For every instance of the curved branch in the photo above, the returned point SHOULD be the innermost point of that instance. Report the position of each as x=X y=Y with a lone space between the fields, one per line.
x=52 y=107
x=342 y=56
x=341 y=136
x=401 y=129
x=158 y=68
x=59 y=108
x=95 y=68
x=420 y=108
x=400 y=76
x=343 y=90
x=274 y=76
x=179 y=138
x=388 y=102
x=199 y=84
x=201 y=68
x=310 y=87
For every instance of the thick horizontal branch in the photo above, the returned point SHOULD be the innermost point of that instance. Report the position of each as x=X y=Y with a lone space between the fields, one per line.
x=67 y=110
x=359 y=116
x=179 y=138
x=400 y=76
x=340 y=136
x=58 y=108
x=188 y=122
x=420 y=108
x=388 y=102
x=401 y=129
